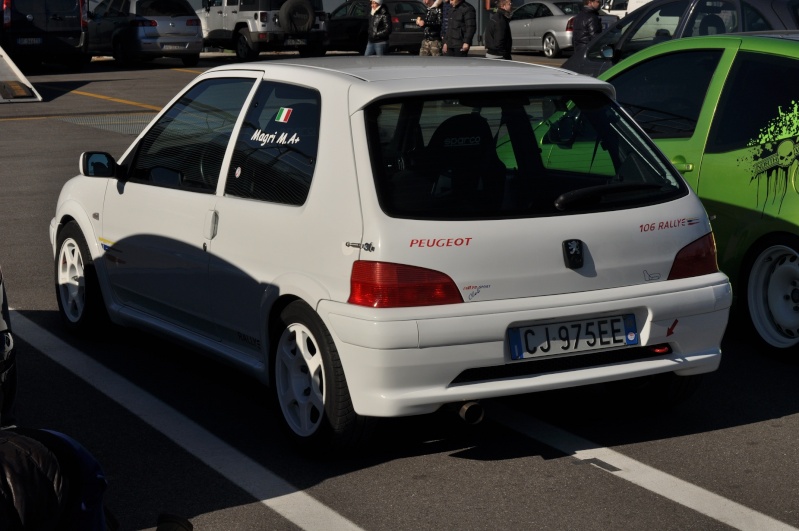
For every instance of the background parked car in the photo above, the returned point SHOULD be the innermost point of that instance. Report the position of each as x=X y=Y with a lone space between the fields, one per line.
x=714 y=106
x=253 y=26
x=662 y=20
x=133 y=30
x=547 y=26
x=347 y=26
x=33 y=31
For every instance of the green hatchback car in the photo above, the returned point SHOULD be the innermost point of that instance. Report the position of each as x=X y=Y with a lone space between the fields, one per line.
x=725 y=110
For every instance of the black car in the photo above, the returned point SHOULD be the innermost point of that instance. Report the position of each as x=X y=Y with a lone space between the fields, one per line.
x=662 y=20
x=34 y=31
x=347 y=26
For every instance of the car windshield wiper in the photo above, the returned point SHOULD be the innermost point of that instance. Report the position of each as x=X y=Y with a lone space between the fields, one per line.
x=585 y=197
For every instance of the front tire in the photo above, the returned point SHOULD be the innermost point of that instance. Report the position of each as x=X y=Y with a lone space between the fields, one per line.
x=551 y=47
x=771 y=294
x=80 y=301
x=309 y=386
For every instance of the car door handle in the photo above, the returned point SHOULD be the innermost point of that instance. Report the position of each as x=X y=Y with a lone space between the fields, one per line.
x=684 y=167
x=211 y=222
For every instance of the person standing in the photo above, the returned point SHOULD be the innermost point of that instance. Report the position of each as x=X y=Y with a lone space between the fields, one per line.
x=379 y=29
x=461 y=27
x=586 y=24
x=431 y=43
x=498 y=37
x=8 y=363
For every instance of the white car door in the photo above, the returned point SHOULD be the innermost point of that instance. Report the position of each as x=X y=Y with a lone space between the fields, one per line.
x=158 y=224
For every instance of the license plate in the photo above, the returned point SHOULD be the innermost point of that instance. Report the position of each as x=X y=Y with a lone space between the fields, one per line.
x=174 y=47
x=296 y=42
x=615 y=331
x=27 y=41
x=411 y=26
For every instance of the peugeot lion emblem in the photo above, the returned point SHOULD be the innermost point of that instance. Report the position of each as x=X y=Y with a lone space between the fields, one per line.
x=573 y=253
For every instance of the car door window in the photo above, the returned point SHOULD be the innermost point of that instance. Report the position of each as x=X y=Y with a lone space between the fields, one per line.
x=544 y=11
x=656 y=25
x=360 y=10
x=185 y=148
x=525 y=12
x=713 y=17
x=665 y=94
x=754 y=19
x=339 y=12
x=275 y=154
x=763 y=114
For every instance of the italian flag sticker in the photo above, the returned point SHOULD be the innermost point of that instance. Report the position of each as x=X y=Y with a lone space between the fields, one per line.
x=283 y=115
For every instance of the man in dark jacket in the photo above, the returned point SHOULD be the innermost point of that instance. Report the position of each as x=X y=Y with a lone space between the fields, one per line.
x=461 y=27
x=586 y=24
x=379 y=29
x=498 y=38
x=431 y=43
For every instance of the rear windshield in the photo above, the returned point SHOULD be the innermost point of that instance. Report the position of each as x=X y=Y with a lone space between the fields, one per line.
x=164 y=8
x=505 y=155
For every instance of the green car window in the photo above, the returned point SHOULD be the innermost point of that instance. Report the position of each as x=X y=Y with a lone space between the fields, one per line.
x=768 y=110
x=665 y=94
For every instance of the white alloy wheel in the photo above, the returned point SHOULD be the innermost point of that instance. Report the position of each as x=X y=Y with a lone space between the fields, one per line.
x=551 y=48
x=300 y=380
x=772 y=294
x=71 y=280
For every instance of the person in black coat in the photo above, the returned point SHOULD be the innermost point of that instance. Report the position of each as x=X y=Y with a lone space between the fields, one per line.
x=498 y=38
x=461 y=27
x=586 y=24
x=379 y=29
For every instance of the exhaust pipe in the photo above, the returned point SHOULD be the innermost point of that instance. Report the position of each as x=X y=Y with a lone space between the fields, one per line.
x=471 y=412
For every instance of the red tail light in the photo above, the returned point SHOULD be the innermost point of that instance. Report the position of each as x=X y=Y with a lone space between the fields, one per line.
x=570 y=24
x=142 y=23
x=84 y=14
x=6 y=13
x=193 y=22
x=395 y=20
x=695 y=259
x=387 y=285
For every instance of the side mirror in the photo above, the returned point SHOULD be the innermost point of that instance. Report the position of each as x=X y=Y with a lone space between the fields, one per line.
x=608 y=52
x=97 y=164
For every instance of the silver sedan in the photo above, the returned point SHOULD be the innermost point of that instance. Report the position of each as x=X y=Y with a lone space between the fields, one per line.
x=547 y=26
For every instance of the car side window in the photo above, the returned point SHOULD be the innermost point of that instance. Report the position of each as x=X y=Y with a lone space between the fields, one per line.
x=275 y=153
x=768 y=109
x=185 y=148
x=666 y=93
x=544 y=12
x=713 y=17
x=656 y=25
x=339 y=12
x=754 y=19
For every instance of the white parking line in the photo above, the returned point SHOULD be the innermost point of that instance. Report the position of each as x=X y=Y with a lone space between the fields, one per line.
x=703 y=501
x=272 y=490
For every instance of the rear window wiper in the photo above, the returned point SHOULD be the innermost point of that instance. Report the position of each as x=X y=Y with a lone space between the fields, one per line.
x=585 y=197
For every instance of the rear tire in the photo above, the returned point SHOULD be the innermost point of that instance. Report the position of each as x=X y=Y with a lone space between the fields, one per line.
x=245 y=51
x=308 y=384
x=80 y=301
x=770 y=281
x=550 y=45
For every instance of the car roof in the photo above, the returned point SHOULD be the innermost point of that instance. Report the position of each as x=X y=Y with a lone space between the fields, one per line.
x=775 y=41
x=369 y=78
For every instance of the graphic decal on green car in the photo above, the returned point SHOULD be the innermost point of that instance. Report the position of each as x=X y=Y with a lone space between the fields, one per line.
x=773 y=156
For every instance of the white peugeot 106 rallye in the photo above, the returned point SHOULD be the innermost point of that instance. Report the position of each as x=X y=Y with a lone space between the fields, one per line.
x=381 y=237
